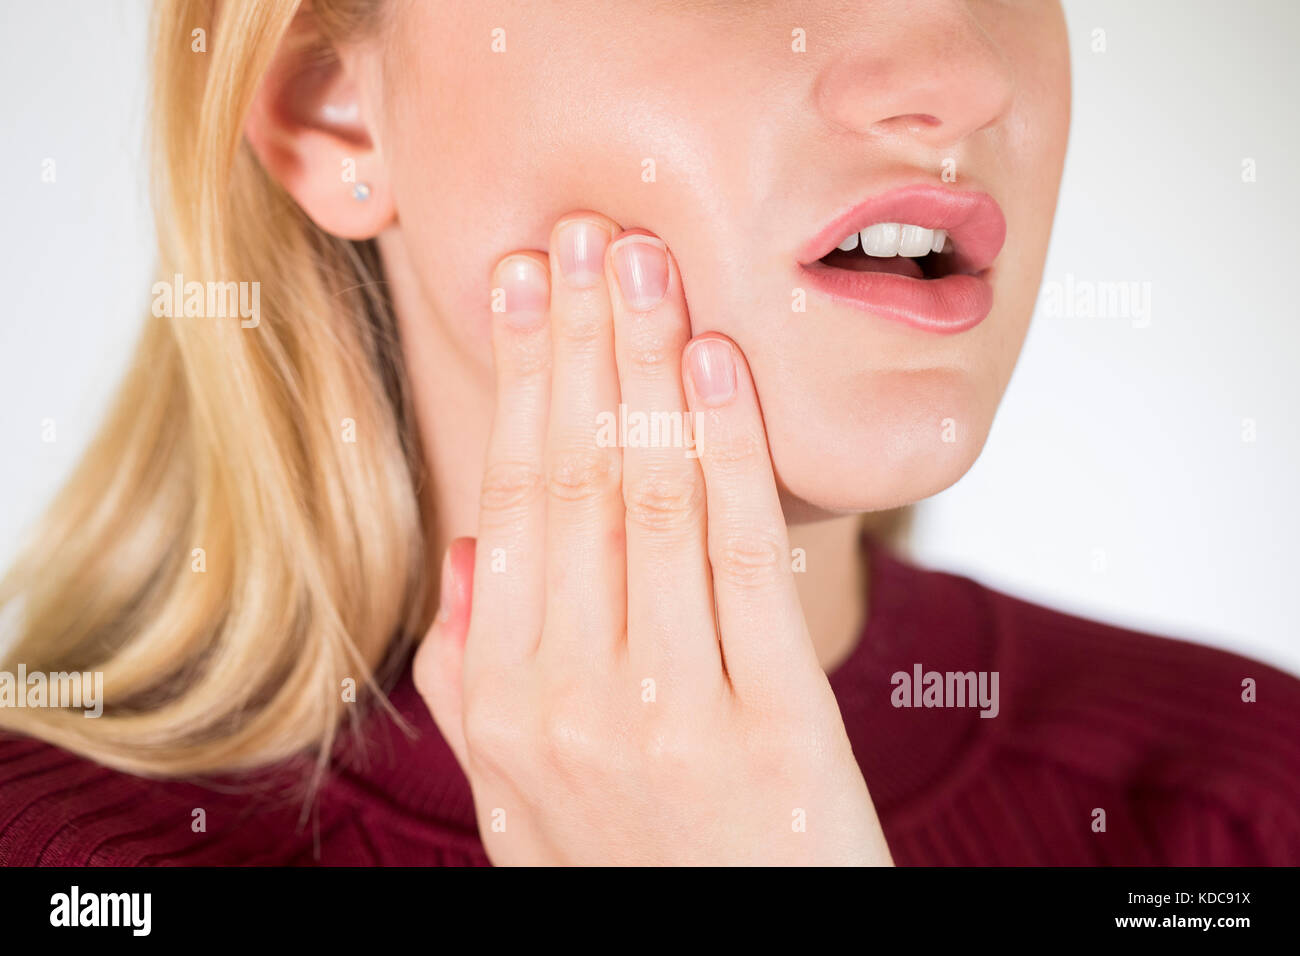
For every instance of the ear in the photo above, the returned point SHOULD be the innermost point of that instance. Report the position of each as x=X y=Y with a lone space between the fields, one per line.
x=307 y=128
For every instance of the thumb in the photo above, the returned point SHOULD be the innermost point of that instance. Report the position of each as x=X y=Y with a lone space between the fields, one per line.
x=438 y=661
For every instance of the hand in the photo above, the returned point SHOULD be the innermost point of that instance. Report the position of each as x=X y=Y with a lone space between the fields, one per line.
x=632 y=680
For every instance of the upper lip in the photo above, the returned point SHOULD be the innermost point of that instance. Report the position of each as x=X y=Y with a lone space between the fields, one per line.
x=973 y=219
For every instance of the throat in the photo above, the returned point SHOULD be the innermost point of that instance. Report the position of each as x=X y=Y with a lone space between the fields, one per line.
x=833 y=586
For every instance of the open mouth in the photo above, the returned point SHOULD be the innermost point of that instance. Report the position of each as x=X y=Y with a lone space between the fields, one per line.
x=896 y=248
x=919 y=255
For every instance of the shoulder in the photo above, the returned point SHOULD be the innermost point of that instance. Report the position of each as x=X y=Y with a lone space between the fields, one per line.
x=1192 y=751
x=59 y=809
x=1201 y=745
x=1149 y=696
x=392 y=801
x=54 y=805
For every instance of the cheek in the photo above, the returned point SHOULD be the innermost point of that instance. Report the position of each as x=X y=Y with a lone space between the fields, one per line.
x=1032 y=142
x=464 y=155
x=488 y=150
x=479 y=183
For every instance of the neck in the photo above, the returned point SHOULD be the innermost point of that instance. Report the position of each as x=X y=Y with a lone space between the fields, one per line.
x=833 y=588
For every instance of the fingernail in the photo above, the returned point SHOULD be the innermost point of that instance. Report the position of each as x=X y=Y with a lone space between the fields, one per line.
x=521 y=283
x=444 y=589
x=581 y=251
x=642 y=266
x=713 y=370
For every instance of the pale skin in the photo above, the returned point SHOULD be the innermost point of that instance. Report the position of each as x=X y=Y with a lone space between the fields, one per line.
x=585 y=687
x=615 y=560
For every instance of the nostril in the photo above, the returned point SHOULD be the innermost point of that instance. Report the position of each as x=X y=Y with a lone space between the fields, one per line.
x=912 y=122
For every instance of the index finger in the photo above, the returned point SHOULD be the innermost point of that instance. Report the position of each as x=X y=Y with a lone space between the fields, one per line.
x=509 y=578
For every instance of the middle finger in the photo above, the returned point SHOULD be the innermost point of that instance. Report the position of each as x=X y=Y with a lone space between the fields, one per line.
x=586 y=585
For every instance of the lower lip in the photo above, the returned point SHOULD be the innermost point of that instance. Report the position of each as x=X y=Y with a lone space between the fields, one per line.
x=949 y=305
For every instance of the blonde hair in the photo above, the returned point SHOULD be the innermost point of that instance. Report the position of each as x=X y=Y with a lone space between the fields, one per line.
x=232 y=440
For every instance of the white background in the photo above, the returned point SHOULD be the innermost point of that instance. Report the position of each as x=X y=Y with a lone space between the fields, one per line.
x=1116 y=482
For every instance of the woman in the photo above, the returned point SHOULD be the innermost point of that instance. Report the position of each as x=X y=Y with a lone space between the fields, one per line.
x=575 y=342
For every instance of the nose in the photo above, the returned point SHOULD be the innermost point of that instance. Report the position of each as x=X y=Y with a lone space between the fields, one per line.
x=928 y=71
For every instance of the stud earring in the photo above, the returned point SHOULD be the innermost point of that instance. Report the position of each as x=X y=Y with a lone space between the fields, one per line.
x=361 y=192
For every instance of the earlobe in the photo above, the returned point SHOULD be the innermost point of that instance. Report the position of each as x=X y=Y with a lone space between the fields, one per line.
x=307 y=129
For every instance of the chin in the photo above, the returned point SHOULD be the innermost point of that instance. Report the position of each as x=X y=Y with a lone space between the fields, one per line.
x=889 y=439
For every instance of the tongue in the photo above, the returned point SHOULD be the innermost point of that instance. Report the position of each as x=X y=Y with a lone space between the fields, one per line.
x=855 y=261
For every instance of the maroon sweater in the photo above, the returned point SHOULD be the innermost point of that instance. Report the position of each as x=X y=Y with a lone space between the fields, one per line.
x=1153 y=732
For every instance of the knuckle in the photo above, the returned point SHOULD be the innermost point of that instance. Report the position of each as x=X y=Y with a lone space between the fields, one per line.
x=524 y=359
x=664 y=500
x=423 y=670
x=732 y=447
x=649 y=355
x=479 y=730
x=509 y=487
x=580 y=330
x=747 y=557
x=569 y=739
x=489 y=739
x=583 y=473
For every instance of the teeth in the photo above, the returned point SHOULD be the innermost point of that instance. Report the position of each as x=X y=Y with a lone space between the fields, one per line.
x=915 y=241
x=886 y=239
x=881 y=239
